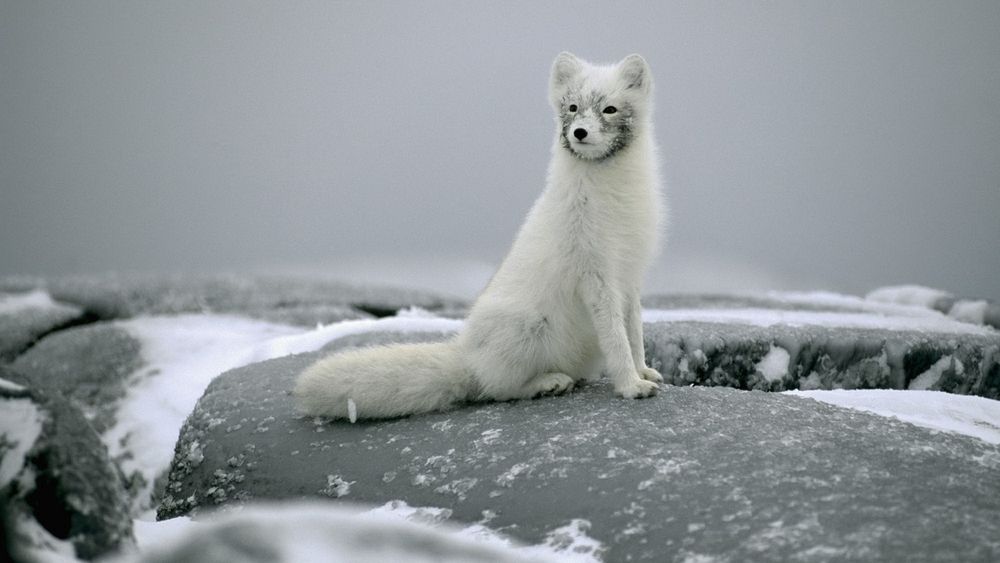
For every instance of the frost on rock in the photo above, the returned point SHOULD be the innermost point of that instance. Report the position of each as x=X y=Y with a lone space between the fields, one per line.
x=58 y=484
x=808 y=341
x=336 y=486
x=27 y=316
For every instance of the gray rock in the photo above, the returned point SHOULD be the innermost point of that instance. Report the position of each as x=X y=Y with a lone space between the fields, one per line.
x=66 y=483
x=18 y=331
x=299 y=300
x=821 y=357
x=88 y=365
x=694 y=472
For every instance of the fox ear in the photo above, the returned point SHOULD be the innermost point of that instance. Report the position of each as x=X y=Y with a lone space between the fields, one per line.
x=565 y=68
x=634 y=72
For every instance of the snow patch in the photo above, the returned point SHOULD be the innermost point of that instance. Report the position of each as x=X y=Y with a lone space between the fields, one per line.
x=336 y=486
x=20 y=427
x=960 y=414
x=183 y=354
x=774 y=365
x=11 y=387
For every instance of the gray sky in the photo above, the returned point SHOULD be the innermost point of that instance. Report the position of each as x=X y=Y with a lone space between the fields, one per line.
x=806 y=145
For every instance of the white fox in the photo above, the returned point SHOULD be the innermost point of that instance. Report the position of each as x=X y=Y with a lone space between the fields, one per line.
x=564 y=304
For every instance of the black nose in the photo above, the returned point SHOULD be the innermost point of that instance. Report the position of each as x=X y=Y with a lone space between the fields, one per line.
x=580 y=134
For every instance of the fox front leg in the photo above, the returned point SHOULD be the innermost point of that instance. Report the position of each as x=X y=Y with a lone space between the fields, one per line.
x=605 y=306
x=633 y=324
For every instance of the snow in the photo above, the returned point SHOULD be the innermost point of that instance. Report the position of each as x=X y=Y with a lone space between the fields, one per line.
x=10 y=386
x=961 y=414
x=930 y=377
x=908 y=295
x=970 y=311
x=323 y=532
x=316 y=339
x=20 y=426
x=183 y=354
x=928 y=321
x=37 y=545
x=12 y=303
x=774 y=365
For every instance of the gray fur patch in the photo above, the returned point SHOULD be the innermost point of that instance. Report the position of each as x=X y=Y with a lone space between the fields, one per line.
x=619 y=126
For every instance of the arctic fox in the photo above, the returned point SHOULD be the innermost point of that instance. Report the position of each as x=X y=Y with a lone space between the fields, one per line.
x=564 y=304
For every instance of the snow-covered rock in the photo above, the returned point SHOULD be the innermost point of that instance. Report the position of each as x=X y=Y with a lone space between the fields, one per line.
x=26 y=316
x=89 y=365
x=818 y=341
x=301 y=301
x=696 y=472
x=55 y=474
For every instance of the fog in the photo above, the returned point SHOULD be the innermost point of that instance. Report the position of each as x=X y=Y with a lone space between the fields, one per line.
x=805 y=145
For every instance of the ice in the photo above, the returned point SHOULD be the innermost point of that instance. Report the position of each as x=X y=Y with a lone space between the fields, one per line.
x=960 y=414
x=352 y=411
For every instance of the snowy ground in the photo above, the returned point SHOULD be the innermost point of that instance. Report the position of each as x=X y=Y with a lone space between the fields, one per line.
x=184 y=353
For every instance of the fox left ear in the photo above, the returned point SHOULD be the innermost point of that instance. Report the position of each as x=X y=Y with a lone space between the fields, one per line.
x=564 y=70
x=634 y=72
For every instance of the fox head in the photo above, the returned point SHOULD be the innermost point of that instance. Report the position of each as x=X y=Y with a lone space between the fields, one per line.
x=599 y=109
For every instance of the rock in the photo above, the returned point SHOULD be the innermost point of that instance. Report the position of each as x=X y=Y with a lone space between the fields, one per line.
x=694 y=473
x=89 y=365
x=781 y=341
x=26 y=317
x=297 y=300
x=823 y=357
x=56 y=472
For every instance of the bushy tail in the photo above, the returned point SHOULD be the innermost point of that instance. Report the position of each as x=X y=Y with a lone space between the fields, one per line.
x=385 y=381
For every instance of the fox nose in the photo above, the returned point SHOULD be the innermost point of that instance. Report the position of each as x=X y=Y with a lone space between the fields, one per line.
x=580 y=134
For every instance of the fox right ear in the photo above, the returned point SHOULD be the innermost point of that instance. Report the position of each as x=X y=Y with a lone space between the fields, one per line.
x=565 y=68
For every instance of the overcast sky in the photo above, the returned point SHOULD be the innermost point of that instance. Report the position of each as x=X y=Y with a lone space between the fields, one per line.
x=806 y=145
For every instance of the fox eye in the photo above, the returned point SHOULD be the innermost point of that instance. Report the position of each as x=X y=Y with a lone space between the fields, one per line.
x=572 y=107
x=610 y=109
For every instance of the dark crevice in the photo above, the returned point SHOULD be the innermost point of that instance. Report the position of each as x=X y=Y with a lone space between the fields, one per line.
x=45 y=500
x=377 y=311
x=85 y=318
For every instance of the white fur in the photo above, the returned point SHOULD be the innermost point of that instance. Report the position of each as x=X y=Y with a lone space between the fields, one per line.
x=564 y=304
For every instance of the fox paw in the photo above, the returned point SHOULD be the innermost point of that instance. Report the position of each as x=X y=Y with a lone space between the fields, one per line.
x=551 y=384
x=637 y=389
x=650 y=374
